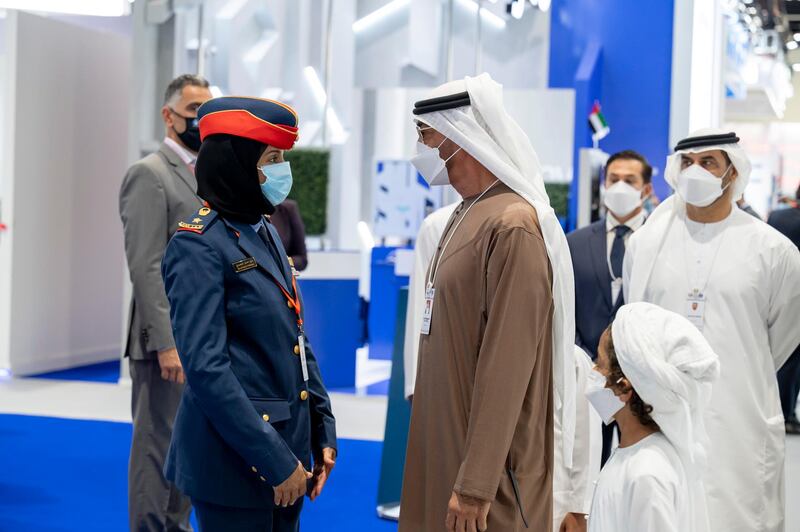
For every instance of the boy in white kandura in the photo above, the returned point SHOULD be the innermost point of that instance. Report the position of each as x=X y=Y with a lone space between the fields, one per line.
x=653 y=376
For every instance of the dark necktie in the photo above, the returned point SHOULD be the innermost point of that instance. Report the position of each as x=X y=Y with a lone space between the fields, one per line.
x=618 y=249
x=262 y=232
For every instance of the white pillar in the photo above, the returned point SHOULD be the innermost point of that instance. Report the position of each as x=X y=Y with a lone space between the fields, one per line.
x=697 y=67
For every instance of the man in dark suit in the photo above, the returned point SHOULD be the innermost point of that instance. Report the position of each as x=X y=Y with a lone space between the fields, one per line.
x=158 y=192
x=599 y=249
x=787 y=221
x=289 y=224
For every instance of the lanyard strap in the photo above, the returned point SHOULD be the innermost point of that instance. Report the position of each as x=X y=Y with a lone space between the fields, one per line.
x=699 y=290
x=435 y=266
x=292 y=301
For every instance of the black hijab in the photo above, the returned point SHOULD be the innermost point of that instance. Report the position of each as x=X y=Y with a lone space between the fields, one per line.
x=227 y=177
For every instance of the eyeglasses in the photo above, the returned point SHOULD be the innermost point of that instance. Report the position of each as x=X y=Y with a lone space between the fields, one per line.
x=420 y=136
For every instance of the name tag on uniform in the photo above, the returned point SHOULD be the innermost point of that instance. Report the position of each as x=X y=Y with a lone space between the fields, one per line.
x=428 y=310
x=696 y=309
x=301 y=342
x=245 y=264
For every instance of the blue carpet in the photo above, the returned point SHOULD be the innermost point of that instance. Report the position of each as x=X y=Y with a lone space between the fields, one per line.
x=102 y=372
x=59 y=475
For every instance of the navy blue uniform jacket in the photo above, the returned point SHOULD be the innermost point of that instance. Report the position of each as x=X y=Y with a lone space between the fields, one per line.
x=594 y=310
x=246 y=416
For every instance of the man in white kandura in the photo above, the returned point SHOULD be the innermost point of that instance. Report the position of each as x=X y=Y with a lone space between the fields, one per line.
x=654 y=375
x=738 y=281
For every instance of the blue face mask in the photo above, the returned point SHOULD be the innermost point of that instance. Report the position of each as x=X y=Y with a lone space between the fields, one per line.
x=278 y=183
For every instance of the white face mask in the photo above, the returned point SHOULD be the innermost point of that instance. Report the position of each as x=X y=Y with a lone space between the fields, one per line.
x=430 y=165
x=622 y=199
x=602 y=399
x=699 y=187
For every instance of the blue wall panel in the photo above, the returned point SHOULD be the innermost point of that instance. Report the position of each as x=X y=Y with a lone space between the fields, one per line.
x=384 y=292
x=333 y=326
x=635 y=40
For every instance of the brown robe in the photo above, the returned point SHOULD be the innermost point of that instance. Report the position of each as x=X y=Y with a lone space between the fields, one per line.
x=483 y=404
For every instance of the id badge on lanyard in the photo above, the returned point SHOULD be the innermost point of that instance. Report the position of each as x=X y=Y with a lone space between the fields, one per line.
x=294 y=304
x=301 y=343
x=427 y=312
x=696 y=309
x=430 y=291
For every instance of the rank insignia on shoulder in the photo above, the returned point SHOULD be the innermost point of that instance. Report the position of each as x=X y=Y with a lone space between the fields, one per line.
x=199 y=222
x=245 y=264
x=190 y=227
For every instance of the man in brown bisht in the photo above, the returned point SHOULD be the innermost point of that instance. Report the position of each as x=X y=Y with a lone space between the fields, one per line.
x=497 y=330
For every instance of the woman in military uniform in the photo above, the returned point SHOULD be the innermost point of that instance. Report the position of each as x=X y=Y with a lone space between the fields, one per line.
x=254 y=411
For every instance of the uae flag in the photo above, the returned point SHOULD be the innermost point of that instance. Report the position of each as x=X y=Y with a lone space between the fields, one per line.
x=598 y=122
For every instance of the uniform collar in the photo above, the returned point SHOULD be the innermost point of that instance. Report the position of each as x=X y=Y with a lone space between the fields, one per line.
x=257 y=226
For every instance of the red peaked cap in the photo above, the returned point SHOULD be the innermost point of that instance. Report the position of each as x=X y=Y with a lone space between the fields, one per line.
x=266 y=121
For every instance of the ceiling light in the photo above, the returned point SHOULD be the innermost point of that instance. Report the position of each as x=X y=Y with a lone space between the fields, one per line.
x=796 y=67
x=369 y=20
x=320 y=96
x=792 y=45
x=97 y=8
x=517 y=9
x=365 y=235
x=315 y=85
x=487 y=15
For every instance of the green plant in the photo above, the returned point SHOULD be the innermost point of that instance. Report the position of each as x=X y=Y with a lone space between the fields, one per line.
x=310 y=189
x=559 y=194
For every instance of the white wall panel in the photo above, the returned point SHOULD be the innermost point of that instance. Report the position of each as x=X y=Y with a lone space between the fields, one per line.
x=69 y=156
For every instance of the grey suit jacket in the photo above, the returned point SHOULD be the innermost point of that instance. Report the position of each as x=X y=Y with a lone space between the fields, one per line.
x=158 y=192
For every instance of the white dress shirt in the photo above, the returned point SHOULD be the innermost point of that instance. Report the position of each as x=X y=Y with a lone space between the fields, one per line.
x=611 y=225
x=185 y=155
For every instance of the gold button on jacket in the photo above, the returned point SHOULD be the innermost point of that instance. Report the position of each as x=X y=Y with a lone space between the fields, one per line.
x=265 y=417
x=303 y=395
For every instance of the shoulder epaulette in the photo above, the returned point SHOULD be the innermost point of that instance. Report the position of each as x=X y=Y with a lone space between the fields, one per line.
x=199 y=222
